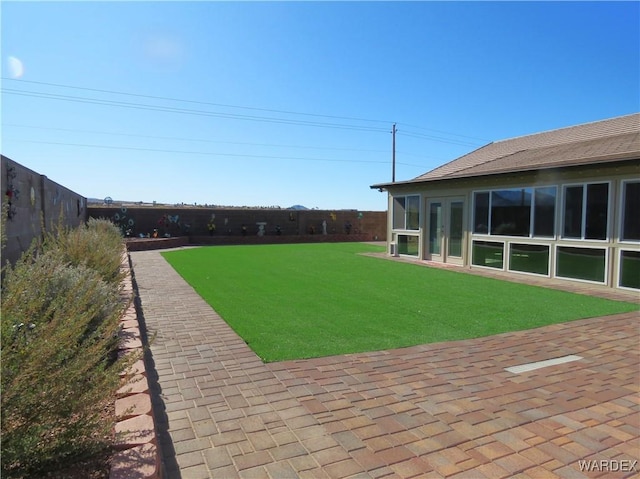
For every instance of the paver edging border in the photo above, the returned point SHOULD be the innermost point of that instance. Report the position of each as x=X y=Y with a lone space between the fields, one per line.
x=136 y=433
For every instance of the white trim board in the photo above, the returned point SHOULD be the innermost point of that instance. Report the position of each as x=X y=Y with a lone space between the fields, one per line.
x=542 y=364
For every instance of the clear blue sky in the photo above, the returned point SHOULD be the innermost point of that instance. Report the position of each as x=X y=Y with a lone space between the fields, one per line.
x=284 y=103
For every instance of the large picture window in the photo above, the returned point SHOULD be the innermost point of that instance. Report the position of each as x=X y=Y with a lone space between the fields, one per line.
x=630 y=211
x=406 y=212
x=526 y=212
x=586 y=209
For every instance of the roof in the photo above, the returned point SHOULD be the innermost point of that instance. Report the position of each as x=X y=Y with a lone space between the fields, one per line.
x=614 y=139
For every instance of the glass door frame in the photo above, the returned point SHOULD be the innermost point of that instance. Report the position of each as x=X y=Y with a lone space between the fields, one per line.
x=431 y=247
x=444 y=229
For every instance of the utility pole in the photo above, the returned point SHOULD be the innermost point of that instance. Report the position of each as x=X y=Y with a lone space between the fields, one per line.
x=393 y=154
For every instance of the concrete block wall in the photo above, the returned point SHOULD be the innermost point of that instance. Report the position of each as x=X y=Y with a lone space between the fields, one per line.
x=193 y=221
x=29 y=200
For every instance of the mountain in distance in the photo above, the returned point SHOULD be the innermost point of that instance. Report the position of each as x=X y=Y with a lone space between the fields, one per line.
x=109 y=201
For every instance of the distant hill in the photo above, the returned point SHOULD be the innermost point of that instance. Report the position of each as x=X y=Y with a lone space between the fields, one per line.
x=105 y=201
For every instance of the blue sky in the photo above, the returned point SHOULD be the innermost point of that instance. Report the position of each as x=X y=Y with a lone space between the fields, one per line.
x=282 y=103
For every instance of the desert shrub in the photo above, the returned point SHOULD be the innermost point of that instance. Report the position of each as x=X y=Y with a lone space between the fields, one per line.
x=97 y=245
x=60 y=317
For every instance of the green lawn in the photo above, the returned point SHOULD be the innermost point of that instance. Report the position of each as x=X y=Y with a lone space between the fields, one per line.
x=311 y=300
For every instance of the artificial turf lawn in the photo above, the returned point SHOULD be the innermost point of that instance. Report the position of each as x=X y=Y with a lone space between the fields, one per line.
x=311 y=300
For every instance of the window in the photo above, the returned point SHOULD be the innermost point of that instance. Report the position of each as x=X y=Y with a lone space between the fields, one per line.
x=398 y=212
x=630 y=269
x=529 y=258
x=413 y=212
x=407 y=245
x=511 y=212
x=481 y=213
x=527 y=212
x=456 y=227
x=586 y=211
x=406 y=212
x=544 y=217
x=488 y=253
x=581 y=263
x=435 y=231
x=573 y=211
x=630 y=211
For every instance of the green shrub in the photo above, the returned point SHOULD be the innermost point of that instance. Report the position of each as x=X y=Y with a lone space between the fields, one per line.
x=97 y=245
x=60 y=317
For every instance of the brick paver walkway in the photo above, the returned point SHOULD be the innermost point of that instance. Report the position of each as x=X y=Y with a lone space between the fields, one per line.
x=445 y=410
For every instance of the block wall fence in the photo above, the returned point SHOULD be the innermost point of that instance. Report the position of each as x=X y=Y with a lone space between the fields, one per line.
x=261 y=225
x=31 y=200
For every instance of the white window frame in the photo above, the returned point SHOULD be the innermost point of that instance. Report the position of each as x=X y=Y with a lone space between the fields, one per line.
x=404 y=227
x=531 y=216
x=538 y=275
x=583 y=225
x=621 y=213
x=413 y=234
x=473 y=213
x=565 y=278
x=491 y=240
x=619 y=275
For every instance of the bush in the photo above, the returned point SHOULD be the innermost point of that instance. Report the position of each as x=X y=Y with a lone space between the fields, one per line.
x=60 y=317
x=98 y=245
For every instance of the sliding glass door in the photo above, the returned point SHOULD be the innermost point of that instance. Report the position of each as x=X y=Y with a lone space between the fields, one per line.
x=445 y=232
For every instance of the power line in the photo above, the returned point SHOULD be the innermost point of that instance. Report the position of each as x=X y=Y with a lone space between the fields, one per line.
x=160 y=150
x=411 y=165
x=439 y=139
x=202 y=140
x=142 y=106
x=405 y=153
x=206 y=153
x=445 y=132
x=196 y=101
x=336 y=117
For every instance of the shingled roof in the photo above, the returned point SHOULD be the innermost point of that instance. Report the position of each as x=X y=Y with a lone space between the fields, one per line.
x=614 y=139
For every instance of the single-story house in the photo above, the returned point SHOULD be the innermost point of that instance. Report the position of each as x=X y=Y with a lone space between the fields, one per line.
x=563 y=204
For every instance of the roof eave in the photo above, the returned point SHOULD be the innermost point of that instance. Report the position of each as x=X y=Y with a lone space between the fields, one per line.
x=592 y=161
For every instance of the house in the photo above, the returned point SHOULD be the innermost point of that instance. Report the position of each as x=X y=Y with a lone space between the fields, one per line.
x=563 y=204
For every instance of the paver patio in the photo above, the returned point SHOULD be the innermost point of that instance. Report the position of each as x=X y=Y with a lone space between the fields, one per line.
x=443 y=410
